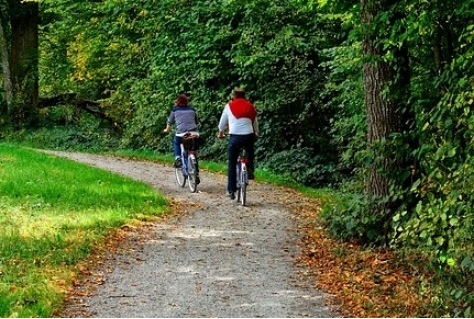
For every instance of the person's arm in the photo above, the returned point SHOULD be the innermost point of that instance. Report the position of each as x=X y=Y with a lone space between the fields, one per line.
x=169 y=122
x=196 y=119
x=255 y=127
x=223 y=122
x=167 y=129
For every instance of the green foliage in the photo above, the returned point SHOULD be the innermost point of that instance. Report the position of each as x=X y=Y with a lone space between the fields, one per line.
x=441 y=218
x=351 y=217
x=344 y=85
x=138 y=55
x=431 y=181
x=302 y=168
x=66 y=127
x=454 y=286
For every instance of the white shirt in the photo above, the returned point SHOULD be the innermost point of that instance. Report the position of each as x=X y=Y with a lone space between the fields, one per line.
x=241 y=126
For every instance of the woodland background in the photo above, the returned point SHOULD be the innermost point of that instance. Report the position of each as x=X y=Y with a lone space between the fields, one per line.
x=372 y=99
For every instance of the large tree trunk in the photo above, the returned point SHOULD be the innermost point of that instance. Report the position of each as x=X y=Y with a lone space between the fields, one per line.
x=24 y=61
x=7 y=81
x=380 y=122
x=384 y=102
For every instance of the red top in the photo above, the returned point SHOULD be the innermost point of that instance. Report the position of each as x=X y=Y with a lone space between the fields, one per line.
x=241 y=107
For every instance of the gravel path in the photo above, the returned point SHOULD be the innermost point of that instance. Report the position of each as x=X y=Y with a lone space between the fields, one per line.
x=216 y=259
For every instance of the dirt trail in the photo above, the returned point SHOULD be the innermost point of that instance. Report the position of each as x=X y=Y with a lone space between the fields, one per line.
x=216 y=259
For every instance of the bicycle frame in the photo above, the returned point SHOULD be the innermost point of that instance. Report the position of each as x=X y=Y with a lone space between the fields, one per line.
x=184 y=159
x=241 y=167
x=188 y=158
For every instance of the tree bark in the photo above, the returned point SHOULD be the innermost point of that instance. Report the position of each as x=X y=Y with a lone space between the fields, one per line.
x=381 y=110
x=91 y=107
x=24 y=60
x=7 y=81
x=379 y=123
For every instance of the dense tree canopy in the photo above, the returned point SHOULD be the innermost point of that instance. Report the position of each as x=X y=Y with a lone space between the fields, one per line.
x=136 y=56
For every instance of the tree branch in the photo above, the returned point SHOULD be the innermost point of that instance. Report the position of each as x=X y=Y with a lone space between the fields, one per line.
x=91 y=107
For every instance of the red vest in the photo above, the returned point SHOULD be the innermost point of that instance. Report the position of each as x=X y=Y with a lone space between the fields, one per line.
x=243 y=108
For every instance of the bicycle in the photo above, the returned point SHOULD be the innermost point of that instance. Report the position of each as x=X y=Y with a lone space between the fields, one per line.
x=188 y=170
x=242 y=179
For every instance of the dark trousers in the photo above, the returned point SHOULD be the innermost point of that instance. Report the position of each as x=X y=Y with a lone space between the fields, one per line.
x=176 y=146
x=236 y=142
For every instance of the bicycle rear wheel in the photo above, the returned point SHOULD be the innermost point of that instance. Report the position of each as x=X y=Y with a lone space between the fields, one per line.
x=192 y=173
x=180 y=174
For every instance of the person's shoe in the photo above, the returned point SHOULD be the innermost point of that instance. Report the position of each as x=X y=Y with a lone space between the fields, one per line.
x=231 y=195
x=178 y=163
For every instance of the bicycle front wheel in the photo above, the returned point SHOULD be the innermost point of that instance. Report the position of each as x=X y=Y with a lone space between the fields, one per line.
x=243 y=187
x=192 y=173
x=238 y=182
x=241 y=183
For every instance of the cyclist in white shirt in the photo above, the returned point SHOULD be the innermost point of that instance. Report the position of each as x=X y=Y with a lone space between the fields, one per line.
x=240 y=117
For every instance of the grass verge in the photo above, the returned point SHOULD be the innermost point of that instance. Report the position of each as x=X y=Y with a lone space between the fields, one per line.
x=53 y=213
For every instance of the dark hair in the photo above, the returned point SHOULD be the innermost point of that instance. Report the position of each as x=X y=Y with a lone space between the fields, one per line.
x=187 y=93
x=182 y=100
x=238 y=93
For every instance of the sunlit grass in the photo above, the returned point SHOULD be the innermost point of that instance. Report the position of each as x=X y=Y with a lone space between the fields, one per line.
x=53 y=212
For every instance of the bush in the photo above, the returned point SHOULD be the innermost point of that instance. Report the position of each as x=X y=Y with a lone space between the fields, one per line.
x=352 y=217
x=301 y=166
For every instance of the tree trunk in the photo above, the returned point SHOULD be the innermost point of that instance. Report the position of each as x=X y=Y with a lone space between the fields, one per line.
x=7 y=81
x=24 y=61
x=380 y=123
x=381 y=110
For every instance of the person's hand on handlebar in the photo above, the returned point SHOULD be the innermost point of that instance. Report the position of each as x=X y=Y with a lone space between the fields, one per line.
x=167 y=129
x=221 y=135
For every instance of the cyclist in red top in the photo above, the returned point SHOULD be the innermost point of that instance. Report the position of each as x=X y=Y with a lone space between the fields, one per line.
x=240 y=117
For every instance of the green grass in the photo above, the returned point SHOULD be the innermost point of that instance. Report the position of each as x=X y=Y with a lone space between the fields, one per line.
x=53 y=212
